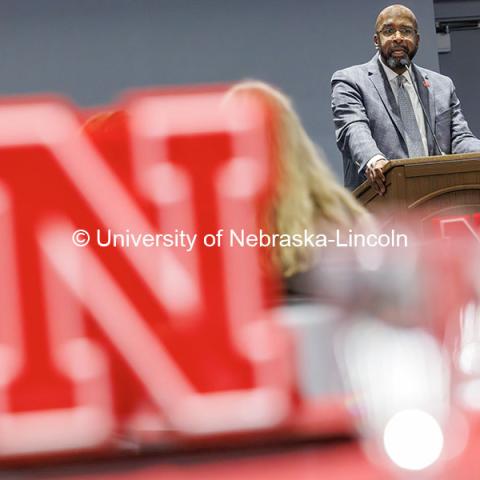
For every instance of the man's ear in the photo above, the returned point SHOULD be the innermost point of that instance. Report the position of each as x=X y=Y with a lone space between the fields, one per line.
x=375 y=41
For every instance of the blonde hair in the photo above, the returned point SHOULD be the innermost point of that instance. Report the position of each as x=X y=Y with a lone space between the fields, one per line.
x=307 y=195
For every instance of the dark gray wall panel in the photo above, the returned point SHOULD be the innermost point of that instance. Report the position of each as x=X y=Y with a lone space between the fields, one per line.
x=462 y=64
x=93 y=49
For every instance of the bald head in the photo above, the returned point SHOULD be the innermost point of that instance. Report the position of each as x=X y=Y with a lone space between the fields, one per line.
x=393 y=12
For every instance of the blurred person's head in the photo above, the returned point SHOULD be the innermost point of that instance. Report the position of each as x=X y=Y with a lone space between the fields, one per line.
x=307 y=196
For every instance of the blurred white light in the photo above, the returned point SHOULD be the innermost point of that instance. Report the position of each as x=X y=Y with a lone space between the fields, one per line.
x=469 y=351
x=469 y=359
x=370 y=258
x=413 y=439
x=469 y=393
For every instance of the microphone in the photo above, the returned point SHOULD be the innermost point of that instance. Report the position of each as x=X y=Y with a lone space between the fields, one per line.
x=405 y=62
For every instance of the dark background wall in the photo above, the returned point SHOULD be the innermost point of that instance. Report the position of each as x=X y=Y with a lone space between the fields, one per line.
x=91 y=50
x=462 y=63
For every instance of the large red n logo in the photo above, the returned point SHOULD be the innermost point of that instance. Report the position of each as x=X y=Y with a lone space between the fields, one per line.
x=96 y=341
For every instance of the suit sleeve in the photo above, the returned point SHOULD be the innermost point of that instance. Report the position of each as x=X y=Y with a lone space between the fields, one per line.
x=352 y=127
x=463 y=140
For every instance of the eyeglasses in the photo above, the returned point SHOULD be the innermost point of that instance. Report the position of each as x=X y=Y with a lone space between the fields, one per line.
x=406 y=32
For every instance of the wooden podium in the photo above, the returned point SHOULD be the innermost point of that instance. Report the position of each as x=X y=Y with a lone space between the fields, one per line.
x=426 y=187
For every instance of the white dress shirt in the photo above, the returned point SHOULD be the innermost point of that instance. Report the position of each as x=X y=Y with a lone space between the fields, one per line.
x=417 y=108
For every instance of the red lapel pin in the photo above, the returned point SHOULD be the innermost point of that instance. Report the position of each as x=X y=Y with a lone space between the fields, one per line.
x=426 y=83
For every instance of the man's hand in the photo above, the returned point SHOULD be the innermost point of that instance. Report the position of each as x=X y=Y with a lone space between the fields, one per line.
x=375 y=176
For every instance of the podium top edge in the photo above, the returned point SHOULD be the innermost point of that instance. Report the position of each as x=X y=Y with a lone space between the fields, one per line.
x=423 y=160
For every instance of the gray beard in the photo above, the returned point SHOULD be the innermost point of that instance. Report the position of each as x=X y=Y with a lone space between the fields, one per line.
x=394 y=63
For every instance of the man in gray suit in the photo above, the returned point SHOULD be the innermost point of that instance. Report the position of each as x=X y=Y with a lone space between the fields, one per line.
x=378 y=115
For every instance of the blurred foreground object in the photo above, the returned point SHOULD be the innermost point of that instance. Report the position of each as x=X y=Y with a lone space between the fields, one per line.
x=129 y=316
x=306 y=196
x=126 y=337
x=132 y=317
x=408 y=313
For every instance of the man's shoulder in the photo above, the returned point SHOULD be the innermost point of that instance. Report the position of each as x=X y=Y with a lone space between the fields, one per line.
x=354 y=71
x=434 y=76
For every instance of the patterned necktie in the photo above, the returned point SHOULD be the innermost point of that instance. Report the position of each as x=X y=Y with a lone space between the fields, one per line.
x=410 y=125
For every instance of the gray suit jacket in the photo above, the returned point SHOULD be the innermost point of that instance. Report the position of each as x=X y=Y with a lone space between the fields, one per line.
x=367 y=118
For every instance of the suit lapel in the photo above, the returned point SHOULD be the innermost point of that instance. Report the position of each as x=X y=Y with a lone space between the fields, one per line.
x=382 y=85
x=428 y=99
